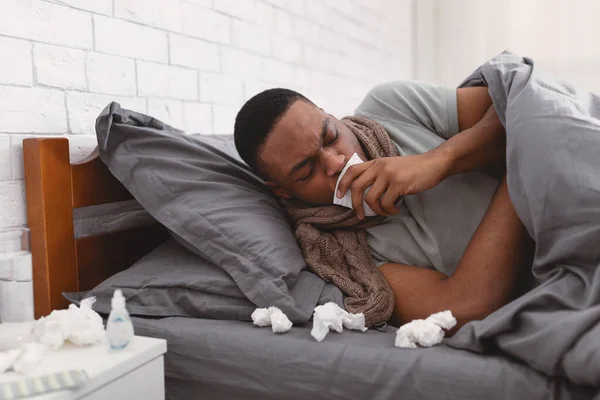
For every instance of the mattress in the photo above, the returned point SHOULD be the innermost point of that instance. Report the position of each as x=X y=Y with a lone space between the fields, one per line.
x=212 y=359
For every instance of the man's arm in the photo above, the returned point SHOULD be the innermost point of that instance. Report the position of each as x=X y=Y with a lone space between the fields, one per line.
x=484 y=278
x=479 y=146
x=471 y=105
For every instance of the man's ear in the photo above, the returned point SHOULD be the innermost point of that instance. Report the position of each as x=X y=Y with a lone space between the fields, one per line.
x=278 y=190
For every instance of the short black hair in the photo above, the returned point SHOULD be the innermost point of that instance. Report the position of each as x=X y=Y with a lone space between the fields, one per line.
x=257 y=118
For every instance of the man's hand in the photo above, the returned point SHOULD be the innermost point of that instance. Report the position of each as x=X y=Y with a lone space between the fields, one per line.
x=391 y=178
x=479 y=147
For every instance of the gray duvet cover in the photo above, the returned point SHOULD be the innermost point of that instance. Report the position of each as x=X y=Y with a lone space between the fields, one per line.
x=234 y=360
x=553 y=173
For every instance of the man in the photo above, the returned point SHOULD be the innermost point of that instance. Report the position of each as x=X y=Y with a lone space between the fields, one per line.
x=450 y=238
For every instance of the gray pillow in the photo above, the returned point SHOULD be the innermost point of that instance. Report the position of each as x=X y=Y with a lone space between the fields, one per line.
x=210 y=201
x=172 y=281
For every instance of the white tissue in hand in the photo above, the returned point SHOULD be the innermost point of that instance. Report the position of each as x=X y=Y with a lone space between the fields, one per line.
x=79 y=325
x=424 y=332
x=272 y=317
x=331 y=316
x=346 y=201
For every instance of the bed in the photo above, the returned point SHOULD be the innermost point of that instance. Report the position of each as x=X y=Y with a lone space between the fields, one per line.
x=220 y=359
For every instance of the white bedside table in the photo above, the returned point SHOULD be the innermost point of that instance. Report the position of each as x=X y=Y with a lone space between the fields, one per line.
x=134 y=373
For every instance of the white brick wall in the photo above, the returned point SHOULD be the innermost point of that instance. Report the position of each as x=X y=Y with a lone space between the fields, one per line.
x=206 y=24
x=36 y=109
x=122 y=38
x=167 y=110
x=166 y=81
x=194 y=53
x=221 y=89
x=18 y=71
x=191 y=63
x=59 y=67
x=5 y=161
x=46 y=22
x=110 y=74
x=165 y=14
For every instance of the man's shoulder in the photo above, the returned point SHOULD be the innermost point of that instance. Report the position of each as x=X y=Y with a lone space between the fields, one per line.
x=407 y=100
x=400 y=95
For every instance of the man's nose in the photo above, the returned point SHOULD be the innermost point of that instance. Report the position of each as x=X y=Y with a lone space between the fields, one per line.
x=332 y=161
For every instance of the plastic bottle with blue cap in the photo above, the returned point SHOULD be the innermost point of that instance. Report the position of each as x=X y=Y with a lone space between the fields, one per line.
x=119 y=328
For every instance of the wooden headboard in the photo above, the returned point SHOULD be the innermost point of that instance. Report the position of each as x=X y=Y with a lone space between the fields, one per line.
x=54 y=187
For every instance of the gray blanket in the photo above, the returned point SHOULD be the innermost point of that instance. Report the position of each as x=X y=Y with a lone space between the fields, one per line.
x=553 y=172
x=235 y=360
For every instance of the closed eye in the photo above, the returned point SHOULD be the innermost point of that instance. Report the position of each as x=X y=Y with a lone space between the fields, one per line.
x=332 y=141
x=309 y=175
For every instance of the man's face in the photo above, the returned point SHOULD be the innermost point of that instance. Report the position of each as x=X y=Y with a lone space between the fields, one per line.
x=305 y=153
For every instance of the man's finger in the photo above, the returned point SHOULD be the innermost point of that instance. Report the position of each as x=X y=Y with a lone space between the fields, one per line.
x=357 y=189
x=373 y=197
x=388 y=202
x=353 y=172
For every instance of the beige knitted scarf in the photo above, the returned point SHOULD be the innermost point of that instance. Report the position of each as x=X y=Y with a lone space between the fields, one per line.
x=334 y=242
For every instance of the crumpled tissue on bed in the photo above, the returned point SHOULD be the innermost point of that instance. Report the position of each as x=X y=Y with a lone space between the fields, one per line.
x=273 y=317
x=425 y=332
x=331 y=316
